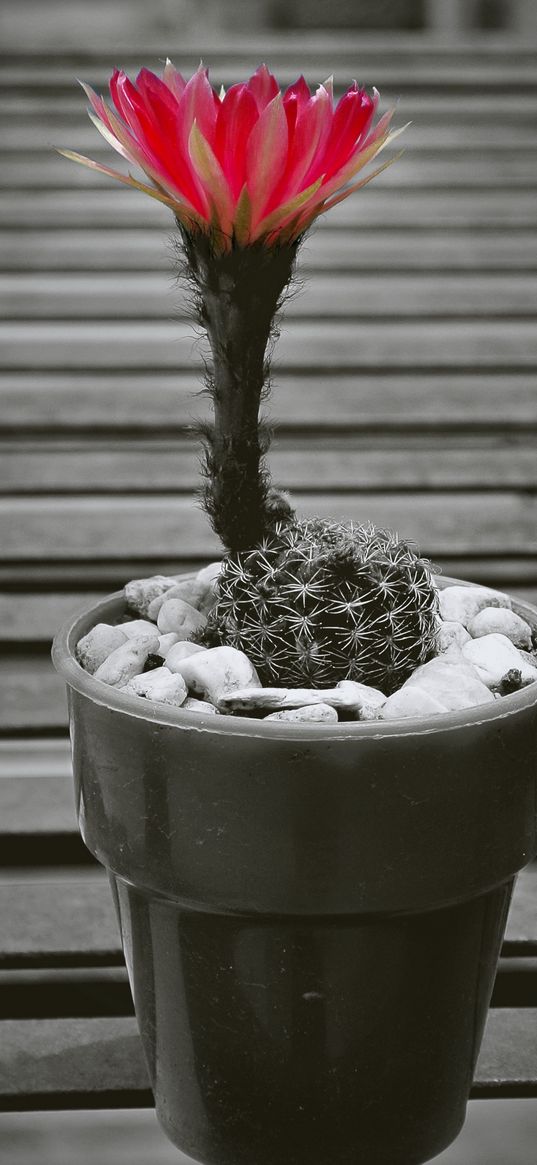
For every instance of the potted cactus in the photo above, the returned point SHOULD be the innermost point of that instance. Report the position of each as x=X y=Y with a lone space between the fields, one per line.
x=306 y=767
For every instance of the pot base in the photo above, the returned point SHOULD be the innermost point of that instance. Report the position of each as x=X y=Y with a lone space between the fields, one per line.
x=347 y=1039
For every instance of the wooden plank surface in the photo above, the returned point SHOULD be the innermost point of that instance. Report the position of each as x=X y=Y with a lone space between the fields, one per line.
x=150 y=296
x=398 y=77
x=424 y=168
x=166 y=402
x=32 y=618
x=434 y=128
x=443 y=209
x=80 y=1063
x=339 y=464
x=149 y=526
x=70 y=921
x=120 y=248
x=335 y=345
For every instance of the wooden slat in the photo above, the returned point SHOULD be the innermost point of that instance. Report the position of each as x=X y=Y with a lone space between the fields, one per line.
x=376 y=345
x=65 y=527
x=58 y=924
x=71 y=1063
x=47 y=171
x=521 y=933
x=241 y=43
x=228 y=66
x=71 y=922
x=442 y=209
x=425 y=462
x=34 y=807
x=168 y=402
x=459 y=115
x=339 y=296
x=33 y=699
x=515 y=573
x=33 y=618
x=78 y=1063
x=366 y=250
x=34 y=758
x=38 y=829
x=433 y=127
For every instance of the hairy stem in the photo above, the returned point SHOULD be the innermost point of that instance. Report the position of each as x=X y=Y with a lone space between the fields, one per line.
x=237 y=296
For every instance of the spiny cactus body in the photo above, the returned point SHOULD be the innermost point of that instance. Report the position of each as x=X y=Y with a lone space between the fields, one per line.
x=319 y=601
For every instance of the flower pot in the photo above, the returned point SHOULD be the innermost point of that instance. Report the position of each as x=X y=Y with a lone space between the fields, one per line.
x=311 y=914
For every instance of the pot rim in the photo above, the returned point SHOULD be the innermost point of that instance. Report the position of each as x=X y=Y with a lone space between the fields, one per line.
x=76 y=677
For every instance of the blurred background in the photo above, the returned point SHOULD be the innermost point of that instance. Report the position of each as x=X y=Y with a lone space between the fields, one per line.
x=59 y=25
x=404 y=391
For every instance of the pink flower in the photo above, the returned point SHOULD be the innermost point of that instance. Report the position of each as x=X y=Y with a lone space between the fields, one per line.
x=246 y=166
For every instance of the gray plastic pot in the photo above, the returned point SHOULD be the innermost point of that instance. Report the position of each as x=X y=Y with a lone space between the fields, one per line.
x=311 y=914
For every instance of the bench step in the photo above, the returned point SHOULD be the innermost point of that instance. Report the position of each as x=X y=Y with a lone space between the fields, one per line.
x=98 y=1063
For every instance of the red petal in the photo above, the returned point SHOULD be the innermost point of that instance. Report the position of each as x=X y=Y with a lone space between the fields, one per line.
x=237 y=116
x=294 y=100
x=198 y=104
x=263 y=87
x=305 y=148
x=160 y=141
x=352 y=118
x=152 y=89
x=299 y=91
x=266 y=156
x=173 y=79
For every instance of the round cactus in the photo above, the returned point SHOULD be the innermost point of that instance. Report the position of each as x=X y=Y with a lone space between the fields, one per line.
x=319 y=601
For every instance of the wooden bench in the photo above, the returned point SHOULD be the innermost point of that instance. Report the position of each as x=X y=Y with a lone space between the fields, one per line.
x=404 y=393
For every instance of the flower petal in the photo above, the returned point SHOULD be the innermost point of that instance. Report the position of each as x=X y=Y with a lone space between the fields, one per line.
x=358 y=185
x=266 y=155
x=160 y=155
x=263 y=87
x=237 y=116
x=197 y=104
x=243 y=218
x=184 y=212
x=96 y=102
x=282 y=213
x=213 y=178
x=173 y=79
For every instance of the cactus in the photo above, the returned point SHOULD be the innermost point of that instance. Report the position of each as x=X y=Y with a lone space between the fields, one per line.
x=319 y=601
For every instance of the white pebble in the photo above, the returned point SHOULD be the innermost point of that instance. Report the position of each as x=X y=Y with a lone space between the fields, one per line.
x=318 y=713
x=208 y=575
x=138 y=627
x=360 y=701
x=355 y=699
x=127 y=661
x=140 y=592
x=451 y=635
x=208 y=578
x=165 y=642
x=189 y=590
x=498 y=620
x=180 y=651
x=444 y=684
x=158 y=685
x=92 y=650
x=177 y=616
x=218 y=670
x=193 y=705
x=493 y=656
x=459 y=604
